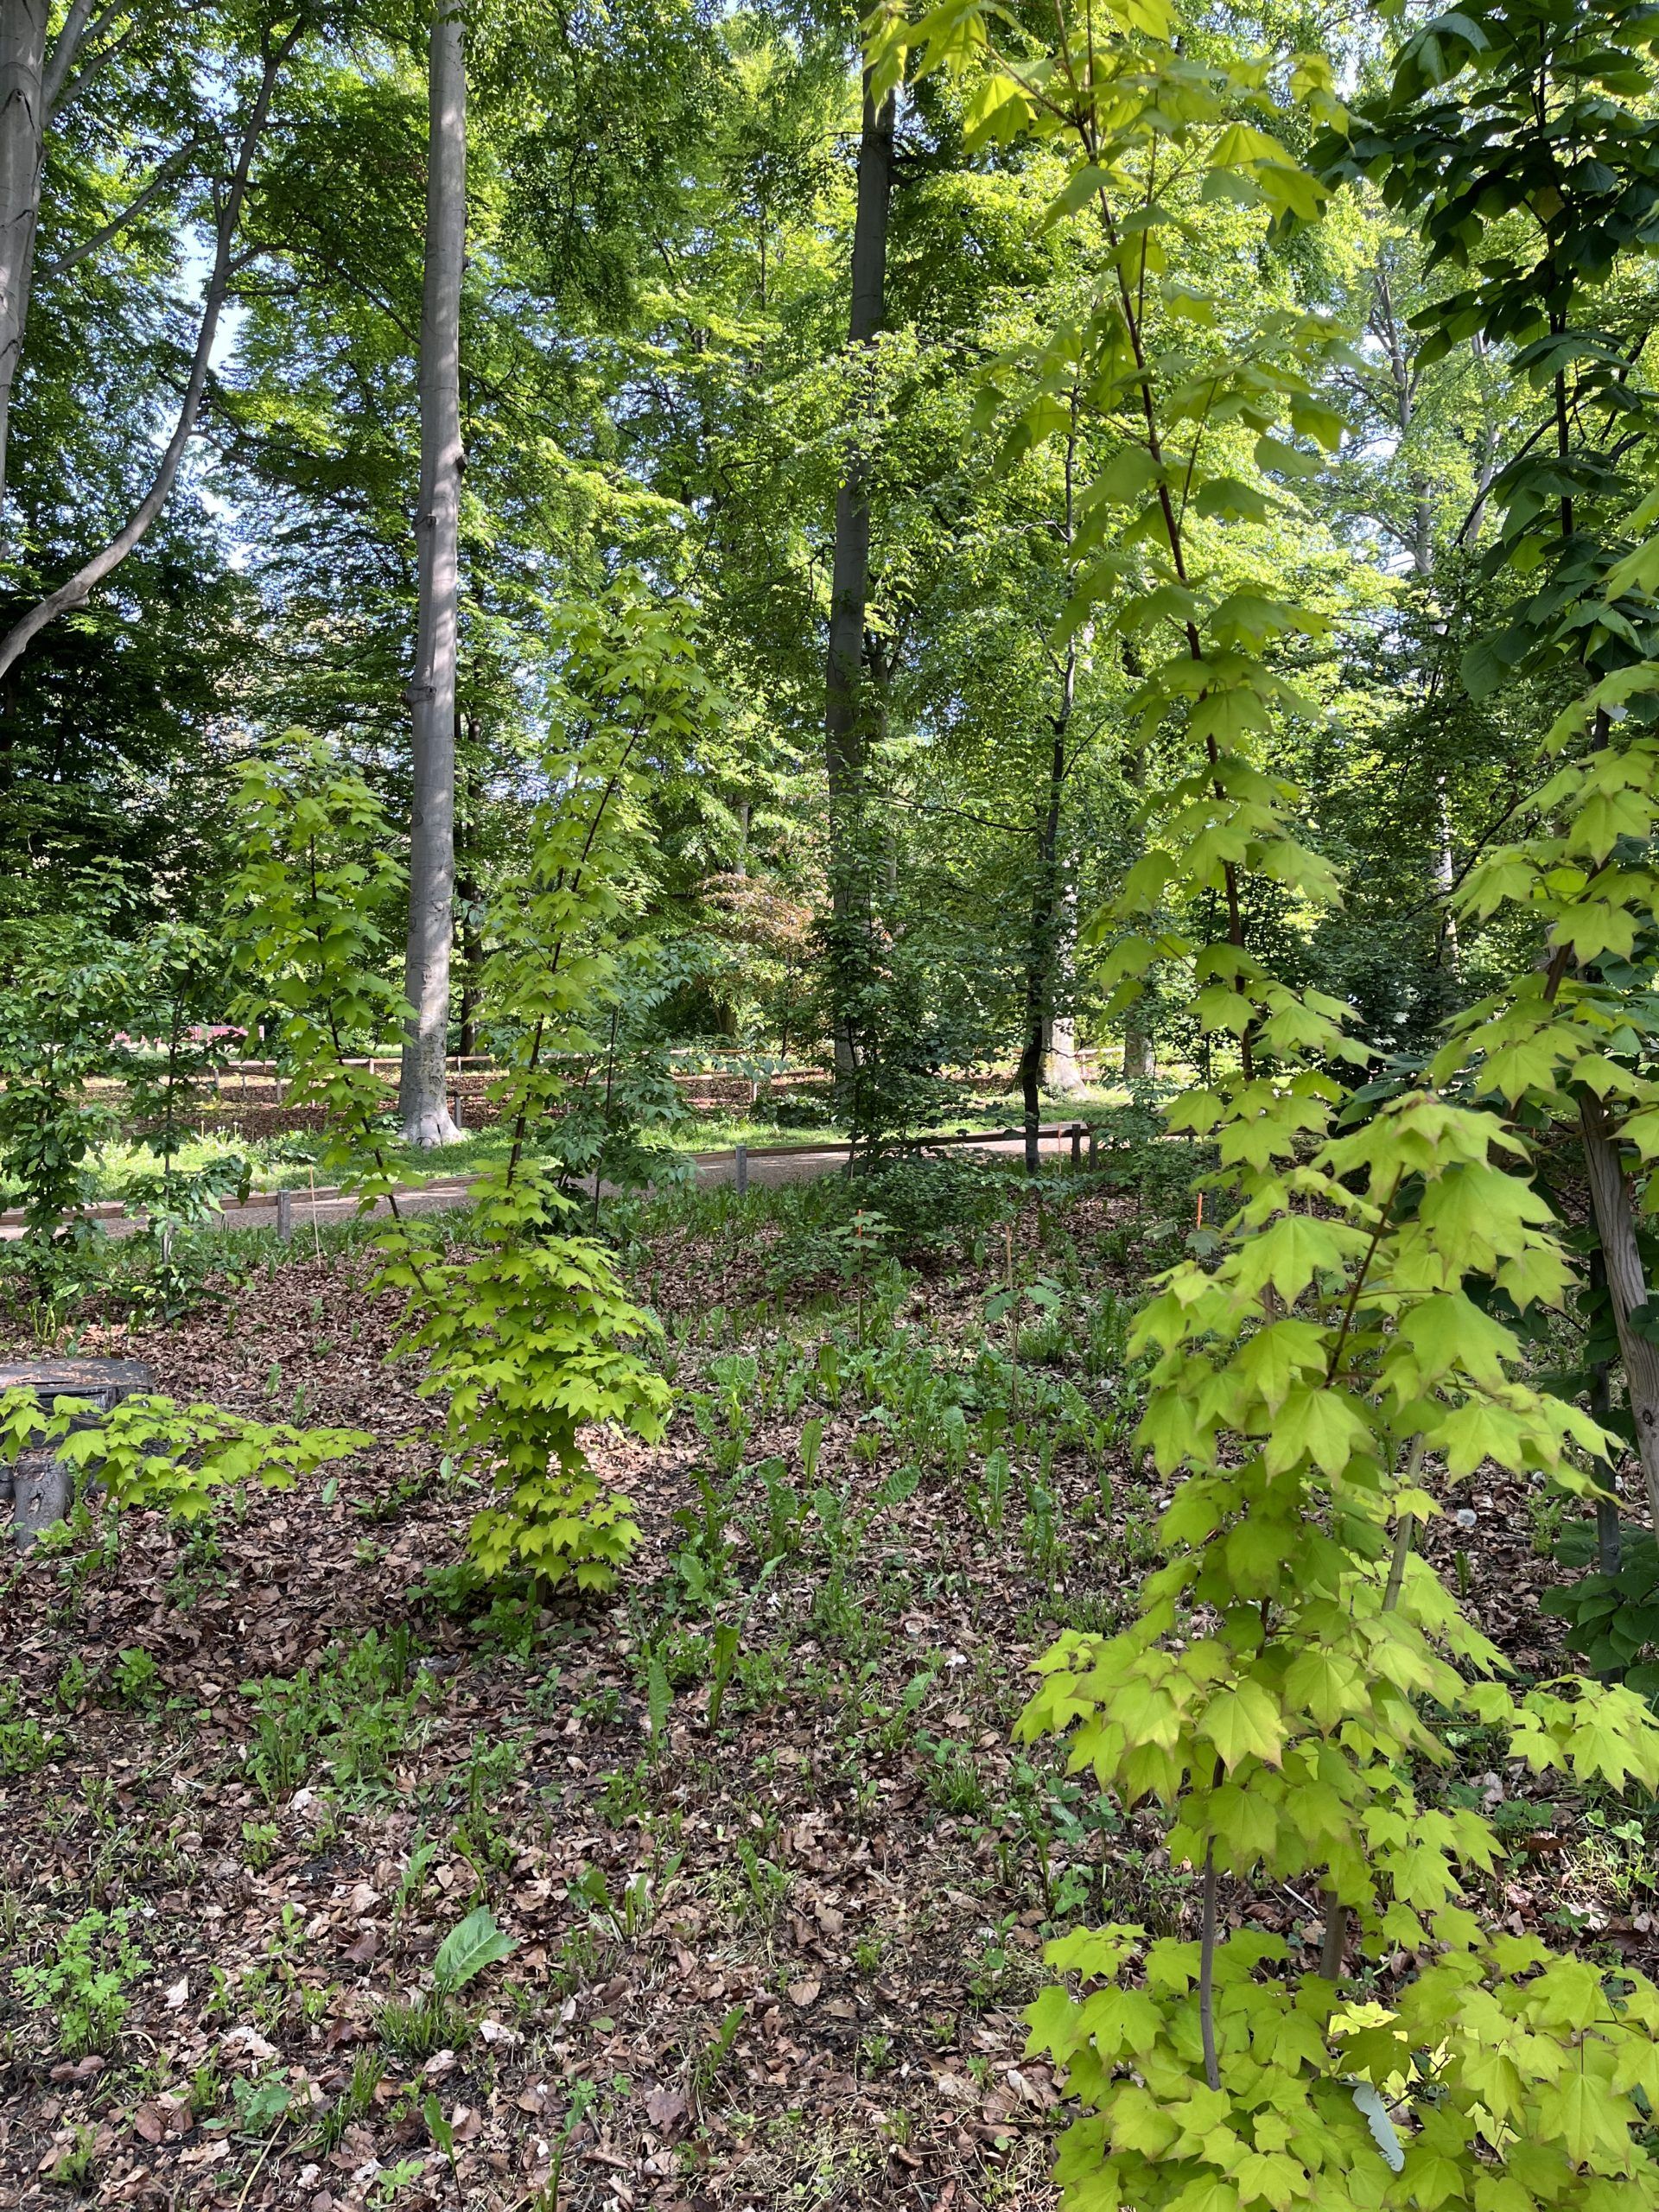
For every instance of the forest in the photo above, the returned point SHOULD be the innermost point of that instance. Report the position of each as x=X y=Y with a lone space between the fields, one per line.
x=829 y=1106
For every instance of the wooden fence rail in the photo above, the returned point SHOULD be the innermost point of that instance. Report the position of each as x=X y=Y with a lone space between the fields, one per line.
x=291 y=1204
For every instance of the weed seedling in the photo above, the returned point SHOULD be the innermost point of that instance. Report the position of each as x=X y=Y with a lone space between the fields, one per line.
x=76 y=2167
x=953 y=1781
x=25 y=1747
x=765 y=1882
x=260 y=1844
x=707 y=2061
x=84 y=1983
x=355 y=2102
x=136 y=1680
x=259 y=2105
x=432 y=2021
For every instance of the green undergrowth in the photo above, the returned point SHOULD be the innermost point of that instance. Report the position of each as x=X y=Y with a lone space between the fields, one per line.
x=289 y=1160
x=884 y=1480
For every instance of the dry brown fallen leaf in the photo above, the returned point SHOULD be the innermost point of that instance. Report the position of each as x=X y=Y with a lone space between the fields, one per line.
x=664 y=2108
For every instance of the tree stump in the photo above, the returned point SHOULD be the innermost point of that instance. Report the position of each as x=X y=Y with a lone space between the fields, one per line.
x=42 y=1484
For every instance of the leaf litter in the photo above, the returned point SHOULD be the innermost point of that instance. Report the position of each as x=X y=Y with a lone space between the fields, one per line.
x=778 y=1959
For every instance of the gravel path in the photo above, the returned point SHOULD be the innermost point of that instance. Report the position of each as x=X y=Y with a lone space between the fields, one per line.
x=769 y=1169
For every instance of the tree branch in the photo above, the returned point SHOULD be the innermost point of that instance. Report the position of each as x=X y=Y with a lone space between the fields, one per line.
x=166 y=174
x=57 y=86
x=79 y=587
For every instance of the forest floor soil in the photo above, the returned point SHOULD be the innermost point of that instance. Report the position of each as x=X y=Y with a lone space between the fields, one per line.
x=776 y=1959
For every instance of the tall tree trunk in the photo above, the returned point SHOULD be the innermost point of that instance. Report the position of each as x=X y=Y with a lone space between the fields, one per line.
x=469 y=935
x=1627 y=1287
x=1386 y=327
x=34 y=85
x=845 y=735
x=80 y=587
x=1048 y=890
x=1062 y=1071
x=423 y=1103
x=1139 y=1052
x=1609 y=1537
x=23 y=134
x=1046 y=900
x=470 y=948
x=1445 y=880
x=725 y=1008
x=1139 y=1055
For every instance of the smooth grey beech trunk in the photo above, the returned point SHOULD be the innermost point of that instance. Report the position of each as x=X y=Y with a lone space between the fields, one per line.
x=845 y=724
x=423 y=1101
x=35 y=84
x=1139 y=1052
x=1050 y=902
x=22 y=137
x=1047 y=910
x=1062 y=1070
x=79 y=588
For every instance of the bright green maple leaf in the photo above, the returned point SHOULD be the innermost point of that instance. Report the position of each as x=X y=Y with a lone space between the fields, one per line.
x=1323 y=1425
x=1325 y=1685
x=1244 y=1722
x=1272 y=2177
x=1588 y=2120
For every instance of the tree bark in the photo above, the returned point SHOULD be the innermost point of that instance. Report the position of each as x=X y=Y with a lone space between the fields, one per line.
x=34 y=85
x=469 y=936
x=23 y=137
x=1048 y=891
x=80 y=587
x=1446 y=882
x=423 y=1101
x=845 y=735
x=1609 y=1539
x=1045 y=899
x=1627 y=1287
x=1061 y=1071
x=1139 y=1052
x=1140 y=1056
